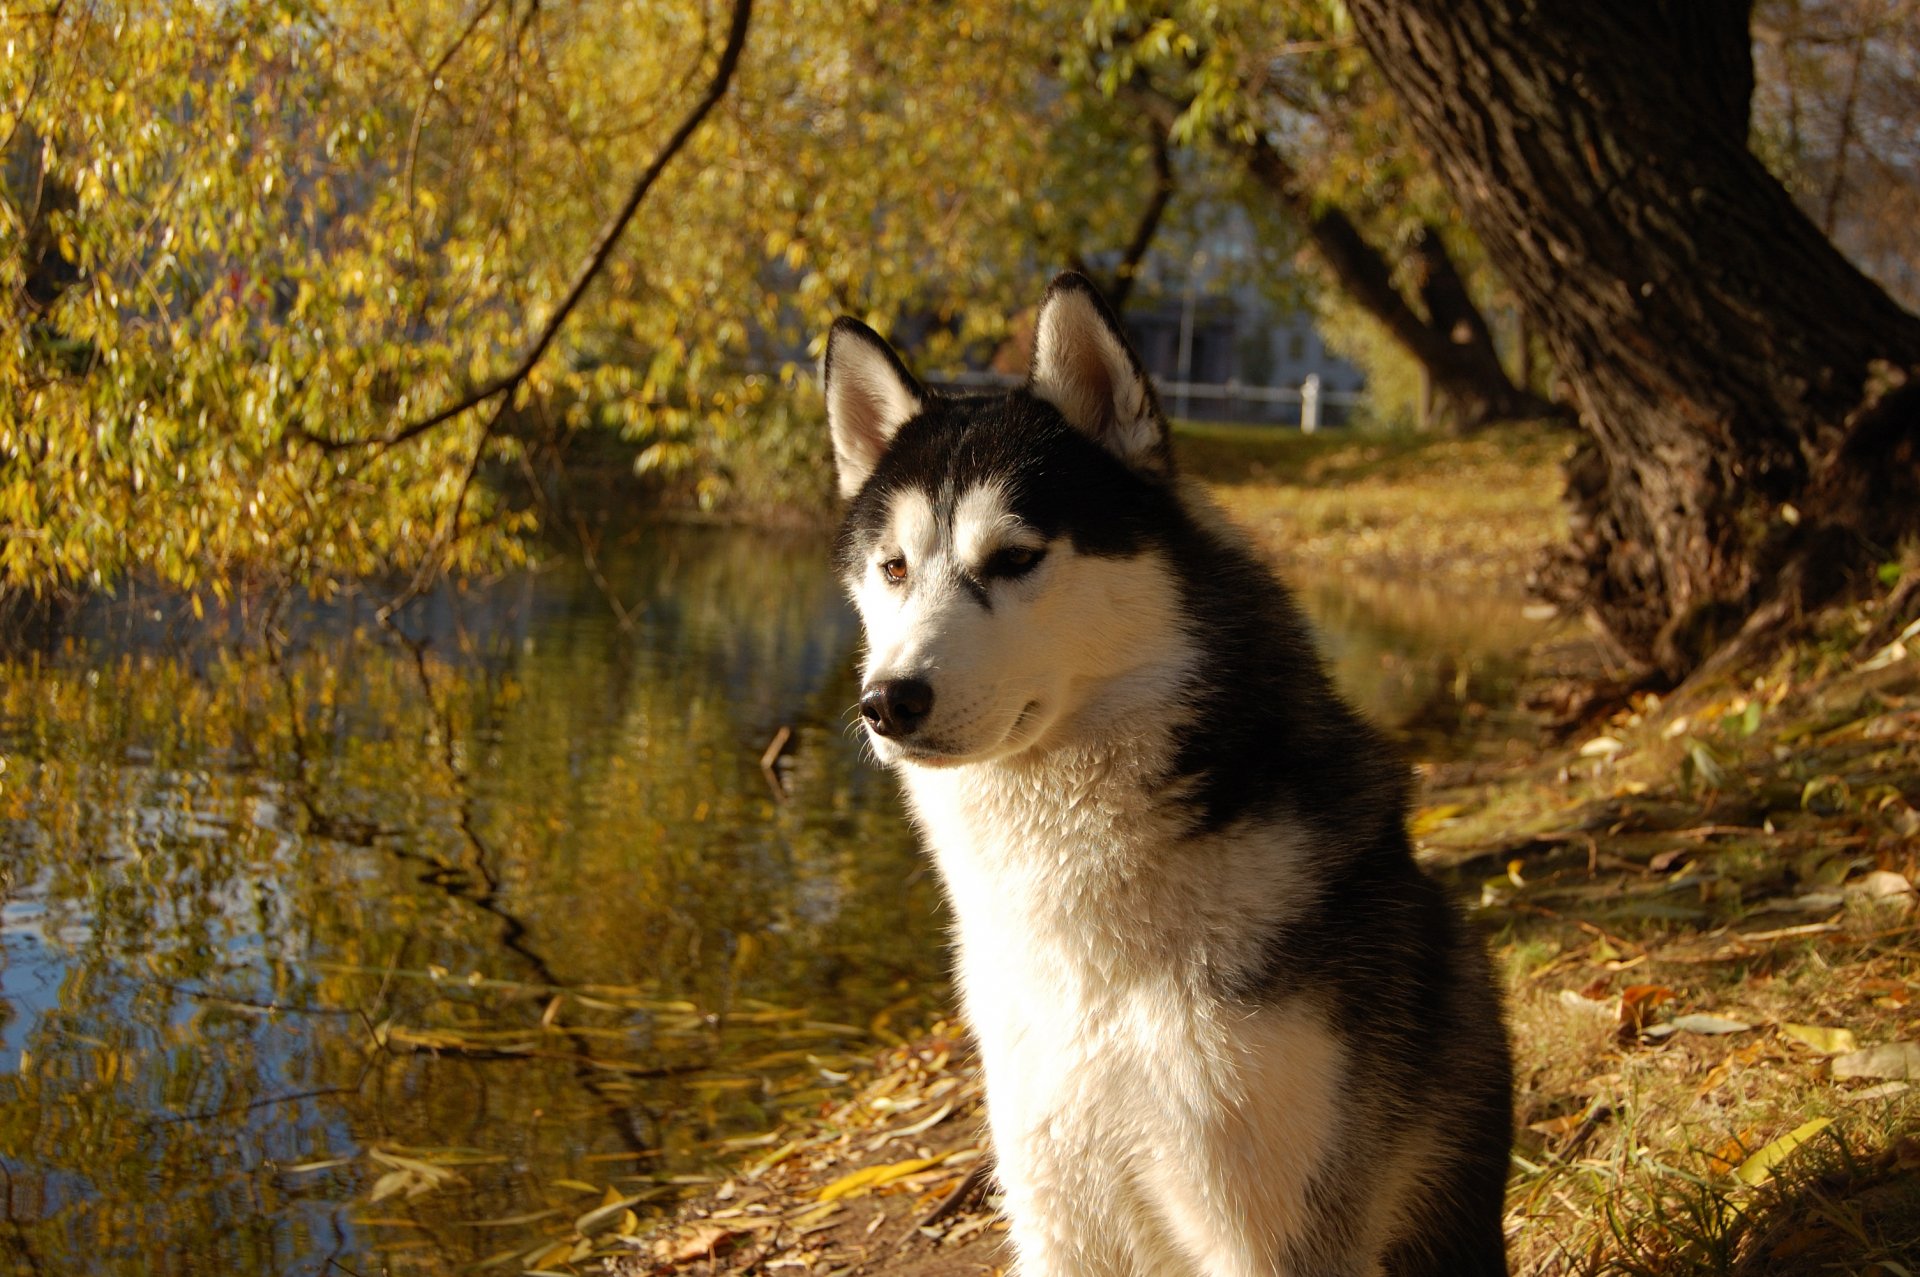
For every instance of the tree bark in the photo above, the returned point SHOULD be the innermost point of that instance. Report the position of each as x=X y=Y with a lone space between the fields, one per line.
x=1722 y=353
x=1452 y=340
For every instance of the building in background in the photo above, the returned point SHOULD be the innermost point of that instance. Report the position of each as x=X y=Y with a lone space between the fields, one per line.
x=1229 y=354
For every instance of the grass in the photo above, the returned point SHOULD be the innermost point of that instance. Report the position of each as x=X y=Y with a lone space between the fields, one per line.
x=1681 y=897
x=1471 y=513
x=1715 y=856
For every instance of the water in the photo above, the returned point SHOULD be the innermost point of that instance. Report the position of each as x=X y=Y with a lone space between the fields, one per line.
x=354 y=953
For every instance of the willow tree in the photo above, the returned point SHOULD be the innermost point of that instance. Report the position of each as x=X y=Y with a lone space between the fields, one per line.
x=284 y=282
x=1749 y=396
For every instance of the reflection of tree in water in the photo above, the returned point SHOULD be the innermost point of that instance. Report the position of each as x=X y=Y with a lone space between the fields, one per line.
x=501 y=889
x=1422 y=662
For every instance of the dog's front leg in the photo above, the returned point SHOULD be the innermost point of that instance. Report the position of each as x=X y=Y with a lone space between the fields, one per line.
x=1065 y=1217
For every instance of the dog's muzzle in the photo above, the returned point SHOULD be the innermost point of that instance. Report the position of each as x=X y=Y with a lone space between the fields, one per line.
x=897 y=706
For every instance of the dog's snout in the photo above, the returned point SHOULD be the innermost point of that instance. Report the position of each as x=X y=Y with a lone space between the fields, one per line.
x=897 y=706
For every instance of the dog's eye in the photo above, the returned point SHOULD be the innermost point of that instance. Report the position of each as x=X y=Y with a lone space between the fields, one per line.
x=895 y=569
x=1014 y=560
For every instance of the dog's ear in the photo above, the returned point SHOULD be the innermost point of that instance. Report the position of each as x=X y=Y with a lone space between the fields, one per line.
x=870 y=395
x=1083 y=365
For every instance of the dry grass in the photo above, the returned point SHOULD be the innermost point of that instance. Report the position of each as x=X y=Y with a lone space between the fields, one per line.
x=1720 y=857
x=1466 y=513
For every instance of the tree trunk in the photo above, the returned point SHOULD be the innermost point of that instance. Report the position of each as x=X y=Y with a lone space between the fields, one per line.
x=1721 y=351
x=1451 y=341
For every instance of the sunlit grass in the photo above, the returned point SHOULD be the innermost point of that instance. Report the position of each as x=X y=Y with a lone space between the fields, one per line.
x=1715 y=855
x=1473 y=512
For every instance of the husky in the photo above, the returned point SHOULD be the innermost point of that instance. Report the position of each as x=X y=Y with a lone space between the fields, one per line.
x=1228 y=1027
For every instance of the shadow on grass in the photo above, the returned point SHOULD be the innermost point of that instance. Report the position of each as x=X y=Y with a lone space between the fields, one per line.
x=1707 y=918
x=1840 y=1212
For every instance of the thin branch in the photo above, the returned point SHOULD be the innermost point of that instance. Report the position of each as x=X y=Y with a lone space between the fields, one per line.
x=293 y=1097
x=39 y=69
x=1127 y=273
x=432 y=76
x=250 y=1004
x=1848 y=126
x=510 y=381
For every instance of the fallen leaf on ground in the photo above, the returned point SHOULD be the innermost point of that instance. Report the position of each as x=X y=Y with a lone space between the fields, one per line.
x=1882 y=889
x=1574 y=1000
x=1428 y=819
x=1892 y=994
x=1897 y=1060
x=1761 y=1165
x=1697 y=1023
x=697 y=1242
x=1735 y=1059
x=1821 y=1038
x=1557 y=1126
x=1732 y=1153
x=874 y=1176
x=1637 y=1002
x=807 y=1219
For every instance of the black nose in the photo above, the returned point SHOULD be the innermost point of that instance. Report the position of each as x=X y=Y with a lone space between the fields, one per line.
x=896 y=707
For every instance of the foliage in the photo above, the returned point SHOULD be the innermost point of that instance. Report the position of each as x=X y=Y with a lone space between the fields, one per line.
x=1290 y=76
x=228 y=230
x=1393 y=375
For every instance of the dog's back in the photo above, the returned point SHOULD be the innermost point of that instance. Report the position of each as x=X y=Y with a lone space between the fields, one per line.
x=1228 y=1026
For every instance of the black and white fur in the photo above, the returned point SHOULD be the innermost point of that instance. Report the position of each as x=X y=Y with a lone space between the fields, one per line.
x=1228 y=1026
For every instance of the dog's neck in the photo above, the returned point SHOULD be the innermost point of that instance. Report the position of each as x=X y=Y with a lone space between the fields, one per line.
x=1084 y=858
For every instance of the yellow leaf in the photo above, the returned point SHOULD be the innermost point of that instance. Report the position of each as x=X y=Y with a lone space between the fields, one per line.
x=1428 y=819
x=771 y=1160
x=1758 y=1167
x=874 y=1176
x=702 y=1239
x=1822 y=1039
x=558 y=1253
x=389 y=1184
x=814 y=1216
x=606 y=1215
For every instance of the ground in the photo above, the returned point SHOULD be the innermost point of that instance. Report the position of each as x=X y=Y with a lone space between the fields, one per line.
x=1703 y=908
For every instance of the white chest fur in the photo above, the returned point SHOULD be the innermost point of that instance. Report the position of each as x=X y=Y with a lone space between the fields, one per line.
x=1143 y=1124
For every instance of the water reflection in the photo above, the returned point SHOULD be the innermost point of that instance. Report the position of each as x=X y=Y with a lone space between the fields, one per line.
x=1440 y=670
x=394 y=954
x=516 y=901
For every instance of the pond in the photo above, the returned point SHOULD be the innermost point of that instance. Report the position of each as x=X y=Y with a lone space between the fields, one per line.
x=370 y=952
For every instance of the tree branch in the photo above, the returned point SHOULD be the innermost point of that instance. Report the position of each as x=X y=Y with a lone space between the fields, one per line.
x=1126 y=274
x=1848 y=127
x=1451 y=342
x=508 y=382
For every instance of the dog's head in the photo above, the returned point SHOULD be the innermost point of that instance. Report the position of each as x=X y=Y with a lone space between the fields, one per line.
x=1004 y=551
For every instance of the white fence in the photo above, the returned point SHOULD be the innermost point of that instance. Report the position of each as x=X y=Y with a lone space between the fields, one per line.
x=1307 y=406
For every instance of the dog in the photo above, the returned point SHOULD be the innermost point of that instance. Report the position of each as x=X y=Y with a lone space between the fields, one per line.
x=1227 y=1025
